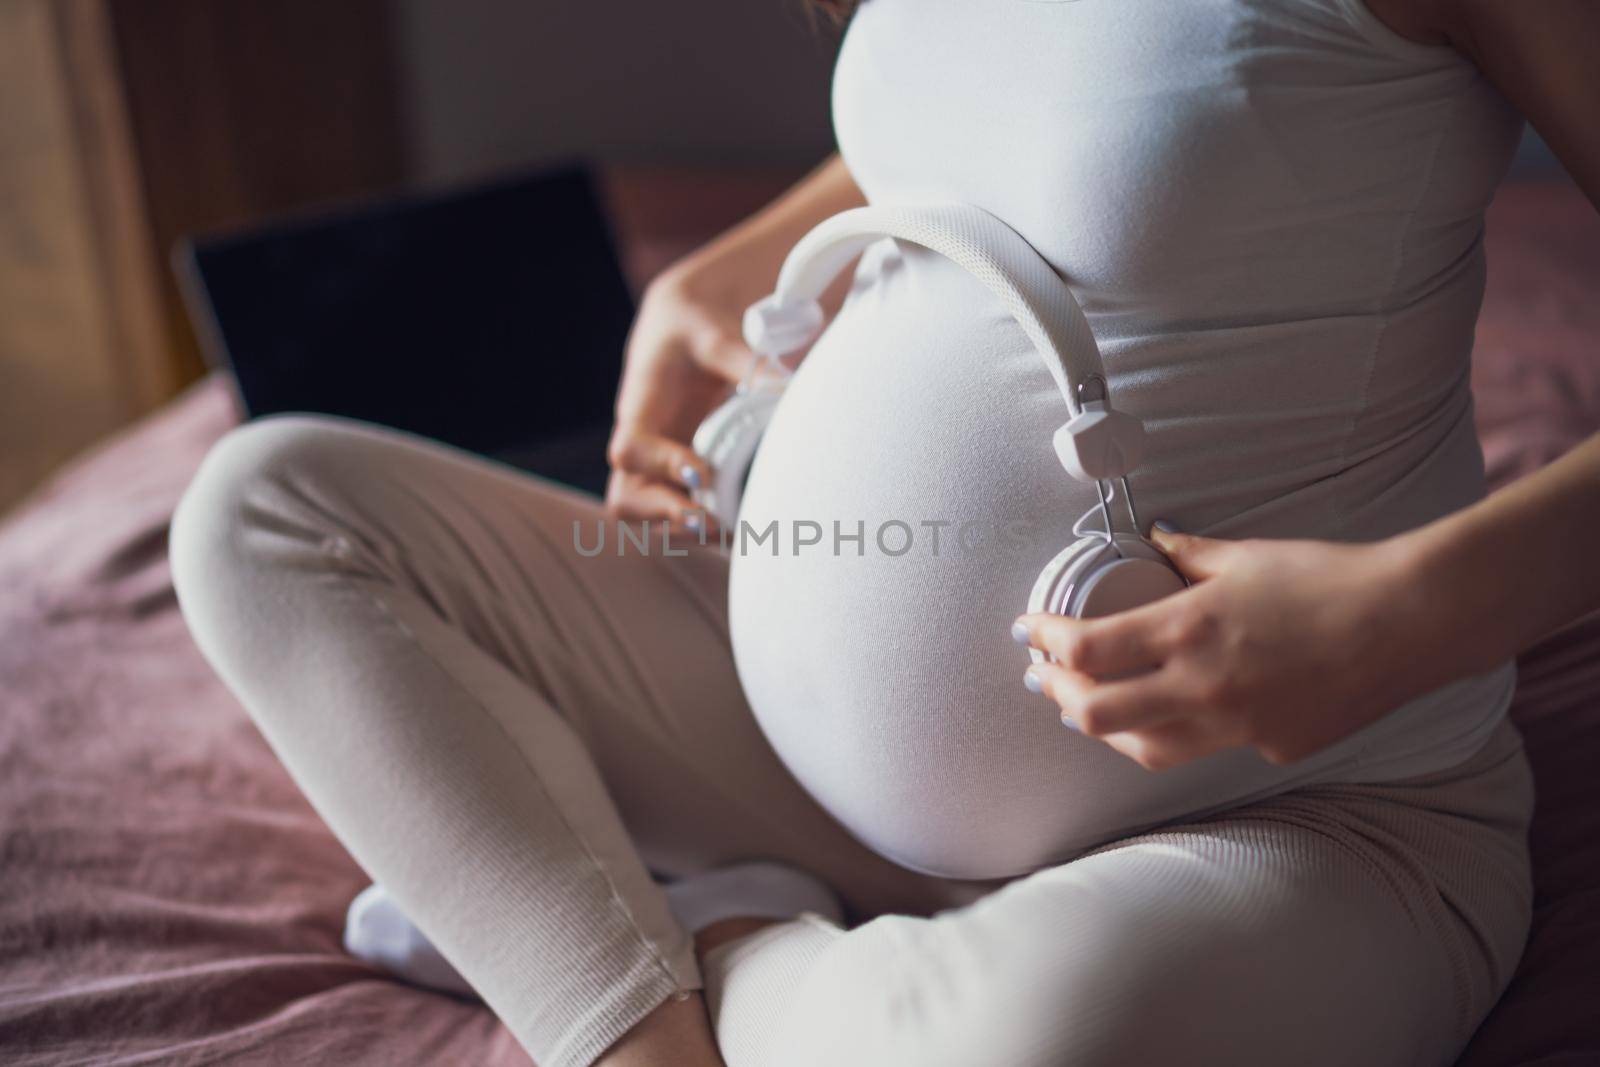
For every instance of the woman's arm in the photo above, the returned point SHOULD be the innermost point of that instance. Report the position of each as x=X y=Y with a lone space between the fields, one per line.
x=1532 y=546
x=686 y=349
x=1518 y=565
x=1290 y=646
x=753 y=250
x=1540 y=55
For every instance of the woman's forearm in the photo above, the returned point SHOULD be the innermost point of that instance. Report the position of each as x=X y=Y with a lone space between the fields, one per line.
x=827 y=190
x=1500 y=575
x=1496 y=577
x=750 y=253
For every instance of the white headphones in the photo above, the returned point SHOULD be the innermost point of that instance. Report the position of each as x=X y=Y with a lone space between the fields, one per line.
x=1105 y=569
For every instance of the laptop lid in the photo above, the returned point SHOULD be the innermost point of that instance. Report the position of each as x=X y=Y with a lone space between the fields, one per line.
x=492 y=318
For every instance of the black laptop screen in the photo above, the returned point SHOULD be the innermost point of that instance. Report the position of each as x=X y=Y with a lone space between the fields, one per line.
x=493 y=319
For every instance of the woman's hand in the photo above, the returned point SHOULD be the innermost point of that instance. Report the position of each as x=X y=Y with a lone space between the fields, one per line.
x=1287 y=646
x=684 y=352
x=687 y=347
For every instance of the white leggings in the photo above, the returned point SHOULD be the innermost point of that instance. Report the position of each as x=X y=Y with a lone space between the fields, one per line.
x=512 y=737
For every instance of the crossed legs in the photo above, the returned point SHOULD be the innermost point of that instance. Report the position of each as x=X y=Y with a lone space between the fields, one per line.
x=512 y=736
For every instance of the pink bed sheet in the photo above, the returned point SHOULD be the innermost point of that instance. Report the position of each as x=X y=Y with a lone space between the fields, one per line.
x=166 y=896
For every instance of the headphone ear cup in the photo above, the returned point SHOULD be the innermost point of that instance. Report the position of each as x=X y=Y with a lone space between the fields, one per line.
x=1052 y=591
x=1124 y=584
x=727 y=440
x=1092 y=577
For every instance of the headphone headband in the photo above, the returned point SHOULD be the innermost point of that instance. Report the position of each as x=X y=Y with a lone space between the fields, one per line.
x=1032 y=292
x=1098 y=443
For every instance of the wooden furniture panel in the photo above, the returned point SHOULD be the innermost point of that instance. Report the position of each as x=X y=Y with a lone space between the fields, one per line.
x=126 y=124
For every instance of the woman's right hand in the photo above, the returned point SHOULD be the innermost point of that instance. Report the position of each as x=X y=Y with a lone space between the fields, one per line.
x=684 y=353
x=687 y=348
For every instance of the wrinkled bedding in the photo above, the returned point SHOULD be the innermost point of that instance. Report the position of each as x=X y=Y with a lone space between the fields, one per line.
x=166 y=896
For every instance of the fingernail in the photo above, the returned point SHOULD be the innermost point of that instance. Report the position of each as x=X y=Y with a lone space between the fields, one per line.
x=1032 y=681
x=691 y=476
x=1166 y=527
x=1019 y=632
x=693 y=521
x=1066 y=720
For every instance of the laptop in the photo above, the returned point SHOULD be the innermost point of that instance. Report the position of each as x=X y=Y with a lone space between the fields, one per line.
x=492 y=318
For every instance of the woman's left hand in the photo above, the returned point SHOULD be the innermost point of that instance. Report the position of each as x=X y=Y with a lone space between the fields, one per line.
x=1287 y=646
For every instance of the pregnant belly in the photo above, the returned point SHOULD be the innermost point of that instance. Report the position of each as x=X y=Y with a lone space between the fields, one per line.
x=909 y=496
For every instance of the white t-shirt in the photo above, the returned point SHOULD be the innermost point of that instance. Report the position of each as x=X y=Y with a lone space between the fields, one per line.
x=1272 y=212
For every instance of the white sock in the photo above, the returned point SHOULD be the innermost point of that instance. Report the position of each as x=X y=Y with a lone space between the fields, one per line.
x=376 y=930
x=757 y=889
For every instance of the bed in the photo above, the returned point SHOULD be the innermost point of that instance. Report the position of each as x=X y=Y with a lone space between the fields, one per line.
x=167 y=897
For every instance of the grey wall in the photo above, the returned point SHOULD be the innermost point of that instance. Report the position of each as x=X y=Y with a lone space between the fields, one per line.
x=494 y=84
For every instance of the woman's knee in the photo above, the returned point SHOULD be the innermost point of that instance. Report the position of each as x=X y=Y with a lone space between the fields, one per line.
x=937 y=993
x=1098 y=981
x=236 y=495
x=246 y=458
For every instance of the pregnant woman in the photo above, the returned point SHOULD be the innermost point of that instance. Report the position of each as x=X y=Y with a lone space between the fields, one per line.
x=814 y=807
